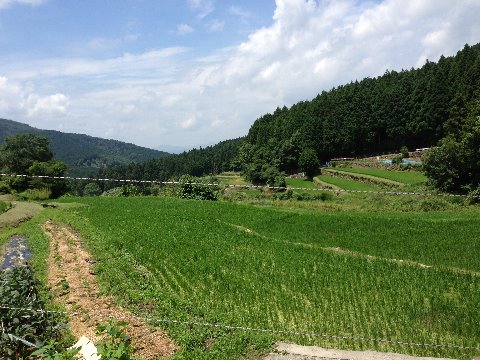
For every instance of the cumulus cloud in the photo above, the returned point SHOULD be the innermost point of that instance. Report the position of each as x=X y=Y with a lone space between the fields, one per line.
x=152 y=98
x=46 y=105
x=21 y=100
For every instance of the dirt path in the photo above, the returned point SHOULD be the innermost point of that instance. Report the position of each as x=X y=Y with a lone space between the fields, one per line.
x=71 y=276
x=21 y=211
x=297 y=352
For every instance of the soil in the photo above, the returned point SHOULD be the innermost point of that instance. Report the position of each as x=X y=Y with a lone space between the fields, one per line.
x=71 y=276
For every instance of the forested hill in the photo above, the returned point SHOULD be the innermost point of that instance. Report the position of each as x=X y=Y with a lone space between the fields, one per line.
x=84 y=154
x=413 y=108
x=209 y=160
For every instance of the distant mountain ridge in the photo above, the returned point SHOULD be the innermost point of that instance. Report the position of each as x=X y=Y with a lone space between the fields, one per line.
x=84 y=154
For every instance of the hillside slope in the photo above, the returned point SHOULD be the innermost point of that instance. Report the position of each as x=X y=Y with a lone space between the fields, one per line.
x=84 y=154
x=414 y=108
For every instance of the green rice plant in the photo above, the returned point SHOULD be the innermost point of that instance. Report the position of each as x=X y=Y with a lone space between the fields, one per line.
x=301 y=183
x=410 y=277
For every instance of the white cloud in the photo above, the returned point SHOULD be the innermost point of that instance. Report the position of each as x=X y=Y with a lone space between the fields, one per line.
x=101 y=43
x=21 y=100
x=184 y=29
x=202 y=7
x=187 y=123
x=216 y=25
x=309 y=47
x=239 y=12
x=46 y=105
x=7 y=3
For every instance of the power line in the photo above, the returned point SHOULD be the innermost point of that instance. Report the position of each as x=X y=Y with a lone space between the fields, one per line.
x=257 y=187
x=106 y=315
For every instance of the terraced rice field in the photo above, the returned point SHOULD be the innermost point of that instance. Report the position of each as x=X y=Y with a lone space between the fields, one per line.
x=405 y=277
x=301 y=183
x=347 y=184
x=404 y=177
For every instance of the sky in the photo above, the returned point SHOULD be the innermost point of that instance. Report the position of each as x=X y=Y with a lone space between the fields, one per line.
x=177 y=74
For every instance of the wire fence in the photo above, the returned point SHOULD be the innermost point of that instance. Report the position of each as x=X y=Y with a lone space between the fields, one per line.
x=105 y=314
x=244 y=187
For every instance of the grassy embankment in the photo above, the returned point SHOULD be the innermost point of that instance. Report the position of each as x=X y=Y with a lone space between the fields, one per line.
x=404 y=177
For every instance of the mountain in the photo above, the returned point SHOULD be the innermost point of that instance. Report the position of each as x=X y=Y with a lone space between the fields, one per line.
x=84 y=154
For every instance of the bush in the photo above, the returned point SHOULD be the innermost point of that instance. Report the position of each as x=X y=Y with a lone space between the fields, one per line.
x=404 y=152
x=36 y=194
x=191 y=187
x=92 y=189
x=323 y=196
x=115 y=192
x=434 y=204
x=4 y=188
x=473 y=197
x=130 y=190
x=18 y=289
x=397 y=160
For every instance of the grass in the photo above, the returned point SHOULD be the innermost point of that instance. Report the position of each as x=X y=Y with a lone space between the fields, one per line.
x=301 y=183
x=404 y=177
x=347 y=184
x=231 y=180
x=20 y=211
x=4 y=206
x=282 y=269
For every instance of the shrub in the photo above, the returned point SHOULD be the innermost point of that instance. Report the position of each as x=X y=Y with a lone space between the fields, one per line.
x=433 y=204
x=92 y=189
x=404 y=152
x=4 y=188
x=36 y=194
x=473 y=197
x=115 y=192
x=397 y=160
x=323 y=196
x=18 y=289
x=191 y=187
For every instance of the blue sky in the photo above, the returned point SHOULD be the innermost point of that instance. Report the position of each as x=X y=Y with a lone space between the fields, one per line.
x=111 y=27
x=194 y=72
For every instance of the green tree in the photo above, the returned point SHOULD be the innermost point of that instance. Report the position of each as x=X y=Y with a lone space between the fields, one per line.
x=309 y=162
x=454 y=166
x=28 y=154
x=20 y=151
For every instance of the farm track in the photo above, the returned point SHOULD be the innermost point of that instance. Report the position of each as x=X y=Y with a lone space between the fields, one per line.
x=72 y=279
x=296 y=352
x=324 y=184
